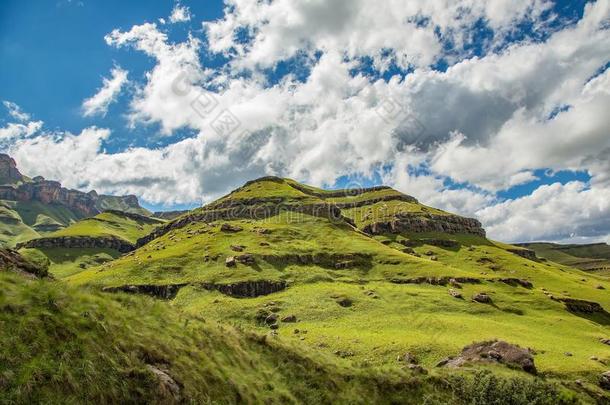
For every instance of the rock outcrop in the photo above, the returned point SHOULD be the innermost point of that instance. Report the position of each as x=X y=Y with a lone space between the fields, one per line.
x=525 y=253
x=101 y=242
x=240 y=289
x=9 y=173
x=583 y=307
x=496 y=351
x=16 y=187
x=419 y=223
x=11 y=260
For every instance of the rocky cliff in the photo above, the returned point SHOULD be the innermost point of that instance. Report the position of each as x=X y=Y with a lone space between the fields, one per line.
x=8 y=170
x=16 y=187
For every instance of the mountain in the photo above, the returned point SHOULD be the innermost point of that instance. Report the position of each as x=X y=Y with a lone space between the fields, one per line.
x=372 y=278
x=31 y=207
x=593 y=257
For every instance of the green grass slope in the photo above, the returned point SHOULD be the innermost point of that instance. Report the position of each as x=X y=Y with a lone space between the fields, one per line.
x=67 y=261
x=366 y=297
x=21 y=221
x=129 y=227
x=62 y=344
x=591 y=257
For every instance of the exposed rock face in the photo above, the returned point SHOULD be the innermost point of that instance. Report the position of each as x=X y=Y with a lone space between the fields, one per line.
x=241 y=289
x=482 y=298
x=11 y=260
x=436 y=280
x=248 y=289
x=525 y=253
x=582 y=306
x=494 y=352
x=8 y=170
x=167 y=292
x=516 y=282
x=253 y=209
x=109 y=242
x=604 y=380
x=51 y=192
x=168 y=389
x=410 y=222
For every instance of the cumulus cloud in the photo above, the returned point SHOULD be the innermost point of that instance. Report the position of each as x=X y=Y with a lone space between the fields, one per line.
x=413 y=33
x=487 y=122
x=180 y=14
x=552 y=212
x=98 y=104
x=15 y=111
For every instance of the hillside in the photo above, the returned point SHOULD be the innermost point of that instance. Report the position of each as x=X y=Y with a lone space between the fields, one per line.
x=34 y=207
x=367 y=275
x=590 y=257
x=66 y=345
x=90 y=241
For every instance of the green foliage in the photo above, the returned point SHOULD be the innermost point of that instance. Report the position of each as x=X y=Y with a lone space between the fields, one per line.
x=486 y=388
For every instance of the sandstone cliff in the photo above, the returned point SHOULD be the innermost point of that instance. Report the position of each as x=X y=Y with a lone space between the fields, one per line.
x=16 y=187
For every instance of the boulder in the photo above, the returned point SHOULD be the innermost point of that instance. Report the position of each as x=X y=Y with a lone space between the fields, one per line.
x=237 y=248
x=289 y=319
x=483 y=298
x=455 y=294
x=604 y=380
x=247 y=259
x=169 y=390
x=230 y=261
x=271 y=319
x=496 y=351
x=416 y=368
x=408 y=358
x=344 y=302
x=230 y=228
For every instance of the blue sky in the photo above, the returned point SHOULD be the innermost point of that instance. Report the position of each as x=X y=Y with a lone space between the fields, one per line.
x=501 y=94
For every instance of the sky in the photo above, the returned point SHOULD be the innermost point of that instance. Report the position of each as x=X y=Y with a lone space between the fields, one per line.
x=495 y=109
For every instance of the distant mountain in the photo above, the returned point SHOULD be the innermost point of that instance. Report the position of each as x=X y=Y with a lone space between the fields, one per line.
x=593 y=257
x=168 y=214
x=30 y=207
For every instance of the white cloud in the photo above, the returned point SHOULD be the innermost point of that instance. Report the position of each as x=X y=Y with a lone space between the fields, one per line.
x=553 y=212
x=484 y=121
x=15 y=111
x=98 y=104
x=180 y=14
x=15 y=131
x=414 y=32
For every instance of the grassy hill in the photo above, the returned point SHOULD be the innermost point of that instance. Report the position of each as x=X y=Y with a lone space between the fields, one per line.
x=62 y=344
x=367 y=275
x=591 y=257
x=24 y=220
x=65 y=259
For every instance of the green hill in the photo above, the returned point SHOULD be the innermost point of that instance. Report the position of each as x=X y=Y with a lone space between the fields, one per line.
x=593 y=257
x=90 y=241
x=62 y=344
x=367 y=275
x=24 y=220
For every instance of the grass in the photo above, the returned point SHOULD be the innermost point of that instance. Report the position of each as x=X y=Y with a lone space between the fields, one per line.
x=68 y=345
x=385 y=318
x=21 y=221
x=112 y=223
x=593 y=257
